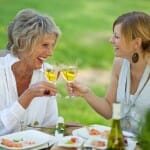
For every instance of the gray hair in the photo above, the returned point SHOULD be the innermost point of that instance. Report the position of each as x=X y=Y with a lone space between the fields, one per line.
x=27 y=28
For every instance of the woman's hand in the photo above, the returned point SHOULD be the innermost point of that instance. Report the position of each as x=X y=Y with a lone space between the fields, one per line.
x=77 y=89
x=39 y=89
x=43 y=88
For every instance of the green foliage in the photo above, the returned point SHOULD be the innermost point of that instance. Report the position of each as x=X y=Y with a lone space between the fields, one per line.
x=86 y=26
x=77 y=109
x=143 y=137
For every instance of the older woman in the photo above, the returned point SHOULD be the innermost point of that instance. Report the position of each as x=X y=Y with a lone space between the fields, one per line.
x=130 y=83
x=25 y=95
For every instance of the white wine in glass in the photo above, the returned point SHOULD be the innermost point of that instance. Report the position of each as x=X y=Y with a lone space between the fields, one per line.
x=51 y=73
x=69 y=73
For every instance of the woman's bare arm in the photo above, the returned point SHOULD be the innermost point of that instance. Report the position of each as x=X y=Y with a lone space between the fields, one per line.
x=101 y=105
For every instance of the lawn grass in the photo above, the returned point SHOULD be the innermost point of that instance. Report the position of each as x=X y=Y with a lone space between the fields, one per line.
x=76 y=109
x=86 y=26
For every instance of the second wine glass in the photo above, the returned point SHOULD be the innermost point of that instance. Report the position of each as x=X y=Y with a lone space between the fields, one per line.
x=69 y=73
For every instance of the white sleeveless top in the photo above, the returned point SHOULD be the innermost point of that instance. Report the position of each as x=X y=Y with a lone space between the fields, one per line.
x=133 y=107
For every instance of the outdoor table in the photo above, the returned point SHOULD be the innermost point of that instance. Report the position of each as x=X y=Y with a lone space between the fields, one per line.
x=69 y=128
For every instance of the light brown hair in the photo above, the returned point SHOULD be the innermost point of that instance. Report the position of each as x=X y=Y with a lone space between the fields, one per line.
x=133 y=25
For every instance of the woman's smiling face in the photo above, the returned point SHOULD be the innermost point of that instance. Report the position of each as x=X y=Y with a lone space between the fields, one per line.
x=42 y=49
x=121 y=47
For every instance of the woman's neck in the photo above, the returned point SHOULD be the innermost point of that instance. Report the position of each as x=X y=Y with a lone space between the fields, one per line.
x=22 y=70
x=137 y=70
x=139 y=67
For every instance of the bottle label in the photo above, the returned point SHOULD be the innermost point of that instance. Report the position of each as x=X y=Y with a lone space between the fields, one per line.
x=116 y=111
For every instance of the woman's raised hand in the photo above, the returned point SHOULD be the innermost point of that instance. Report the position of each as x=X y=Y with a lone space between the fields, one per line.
x=39 y=89
x=77 y=89
x=43 y=88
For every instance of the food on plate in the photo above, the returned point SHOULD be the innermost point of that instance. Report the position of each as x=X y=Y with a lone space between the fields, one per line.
x=105 y=134
x=98 y=143
x=18 y=143
x=10 y=143
x=72 y=140
x=94 y=131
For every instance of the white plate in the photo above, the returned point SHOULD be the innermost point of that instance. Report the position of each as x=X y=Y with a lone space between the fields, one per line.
x=38 y=137
x=93 y=143
x=65 y=142
x=84 y=132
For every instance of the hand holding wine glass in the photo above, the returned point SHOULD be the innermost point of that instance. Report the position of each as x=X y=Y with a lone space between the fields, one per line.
x=69 y=73
x=52 y=73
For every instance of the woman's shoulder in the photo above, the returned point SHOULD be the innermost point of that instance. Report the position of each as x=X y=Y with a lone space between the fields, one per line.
x=3 y=53
x=8 y=60
x=117 y=63
x=118 y=60
x=2 y=61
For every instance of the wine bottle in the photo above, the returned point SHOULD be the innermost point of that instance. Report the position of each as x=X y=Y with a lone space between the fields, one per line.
x=60 y=127
x=115 y=139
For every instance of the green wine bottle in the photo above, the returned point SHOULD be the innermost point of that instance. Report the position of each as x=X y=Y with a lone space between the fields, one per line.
x=60 y=127
x=115 y=139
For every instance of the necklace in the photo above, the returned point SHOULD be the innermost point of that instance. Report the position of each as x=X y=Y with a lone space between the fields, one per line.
x=144 y=80
x=132 y=101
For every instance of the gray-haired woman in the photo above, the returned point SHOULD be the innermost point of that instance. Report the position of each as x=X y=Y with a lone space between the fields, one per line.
x=25 y=94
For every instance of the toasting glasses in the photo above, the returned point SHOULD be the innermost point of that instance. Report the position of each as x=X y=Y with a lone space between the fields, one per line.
x=52 y=73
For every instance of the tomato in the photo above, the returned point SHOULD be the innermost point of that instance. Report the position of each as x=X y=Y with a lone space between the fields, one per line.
x=73 y=139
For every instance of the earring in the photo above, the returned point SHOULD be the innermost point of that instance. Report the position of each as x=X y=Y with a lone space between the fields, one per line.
x=135 y=57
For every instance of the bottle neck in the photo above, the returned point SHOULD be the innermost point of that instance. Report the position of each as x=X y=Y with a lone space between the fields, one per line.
x=116 y=111
x=116 y=123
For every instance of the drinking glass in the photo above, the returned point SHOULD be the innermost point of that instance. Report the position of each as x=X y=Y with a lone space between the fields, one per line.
x=51 y=73
x=69 y=73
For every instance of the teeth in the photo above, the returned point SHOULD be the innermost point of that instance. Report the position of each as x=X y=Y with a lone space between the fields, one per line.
x=42 y=58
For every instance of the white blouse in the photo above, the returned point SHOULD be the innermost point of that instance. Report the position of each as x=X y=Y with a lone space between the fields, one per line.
x=133 y=107
x=42 y=109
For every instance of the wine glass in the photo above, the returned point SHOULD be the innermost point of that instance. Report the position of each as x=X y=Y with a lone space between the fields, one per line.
x=51 y=72
x=69 y=73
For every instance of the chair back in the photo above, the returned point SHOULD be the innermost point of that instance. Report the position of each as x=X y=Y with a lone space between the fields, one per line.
x=3 y=52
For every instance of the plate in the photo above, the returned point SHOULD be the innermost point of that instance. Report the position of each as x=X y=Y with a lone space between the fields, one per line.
x=96 y=142
x=102 y=133
x=97 y=131
x=70 y=142
x=36 y=138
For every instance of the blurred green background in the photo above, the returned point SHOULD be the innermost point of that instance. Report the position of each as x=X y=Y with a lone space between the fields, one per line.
x=86 y=27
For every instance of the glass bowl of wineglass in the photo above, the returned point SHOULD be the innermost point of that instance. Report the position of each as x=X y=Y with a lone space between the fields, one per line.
x=69 y=73
x=51 y=72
